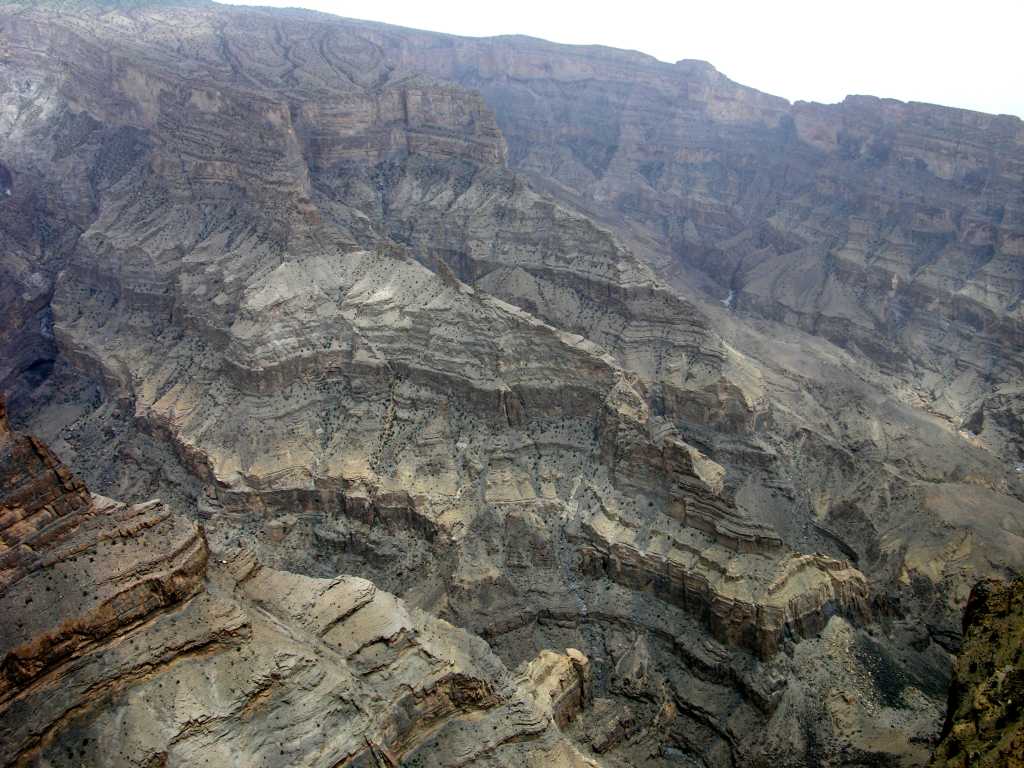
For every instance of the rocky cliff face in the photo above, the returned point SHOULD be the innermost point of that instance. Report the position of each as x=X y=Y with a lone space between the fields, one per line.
x=893 y=230
x=984 y=723
x=846 y=220
x=127 y=646
x=374 y=302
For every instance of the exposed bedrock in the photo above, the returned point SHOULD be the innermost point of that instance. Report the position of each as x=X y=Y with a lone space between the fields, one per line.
x=354 y=317
x=985 y=714
x=896 y=228
x=124 y=647
x=760 y=624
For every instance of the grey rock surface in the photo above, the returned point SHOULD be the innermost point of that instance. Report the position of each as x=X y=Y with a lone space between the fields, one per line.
x=445 y=316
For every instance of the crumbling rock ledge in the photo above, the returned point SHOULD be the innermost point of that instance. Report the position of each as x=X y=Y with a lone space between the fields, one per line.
x=756 y=603
x=124 y=645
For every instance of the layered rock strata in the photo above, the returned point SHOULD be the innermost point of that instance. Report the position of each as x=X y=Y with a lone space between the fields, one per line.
x=893 y=228
x=221 y=294
x=289 y=273
x=124 y=646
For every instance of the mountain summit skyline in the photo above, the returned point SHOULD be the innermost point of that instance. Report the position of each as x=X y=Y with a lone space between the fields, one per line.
x=912 y=51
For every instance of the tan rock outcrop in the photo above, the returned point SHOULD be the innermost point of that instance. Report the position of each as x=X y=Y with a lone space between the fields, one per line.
x=563 y=682
x=122 y=647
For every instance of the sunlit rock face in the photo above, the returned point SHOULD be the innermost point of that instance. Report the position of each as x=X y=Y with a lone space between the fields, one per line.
x=376 y=312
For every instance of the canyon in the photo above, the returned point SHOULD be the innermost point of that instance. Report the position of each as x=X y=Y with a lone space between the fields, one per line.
x=488 y=401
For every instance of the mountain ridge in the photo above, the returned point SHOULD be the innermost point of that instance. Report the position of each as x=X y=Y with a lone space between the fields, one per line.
x=451 y=317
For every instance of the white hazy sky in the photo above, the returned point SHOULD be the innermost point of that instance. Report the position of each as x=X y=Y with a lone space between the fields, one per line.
x=964 y=54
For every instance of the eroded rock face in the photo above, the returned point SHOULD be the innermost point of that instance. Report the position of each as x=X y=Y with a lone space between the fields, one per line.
x=858 y=222
x=985 y=719
x=124 y=646
x=432 y=400
x=847 y=220
x=356 y=318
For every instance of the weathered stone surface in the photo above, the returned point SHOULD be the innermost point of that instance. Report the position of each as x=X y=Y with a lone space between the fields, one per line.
x=123 y=648
x=403 y=385
x=466 y=344
x=985 y=719
x=563 y=683
x=893 y=228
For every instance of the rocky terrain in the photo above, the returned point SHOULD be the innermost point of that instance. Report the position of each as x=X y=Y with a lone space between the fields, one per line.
x=128 y=646
x=561 y=346
x=984 y=723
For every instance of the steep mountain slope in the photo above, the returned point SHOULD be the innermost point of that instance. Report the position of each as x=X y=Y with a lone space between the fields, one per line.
x=287 y=272
x=984 y=723
x=129 y=647
x=896 y=229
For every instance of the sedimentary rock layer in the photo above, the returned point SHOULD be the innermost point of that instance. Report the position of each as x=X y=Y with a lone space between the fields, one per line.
x=123 y=647
x=451 y=317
